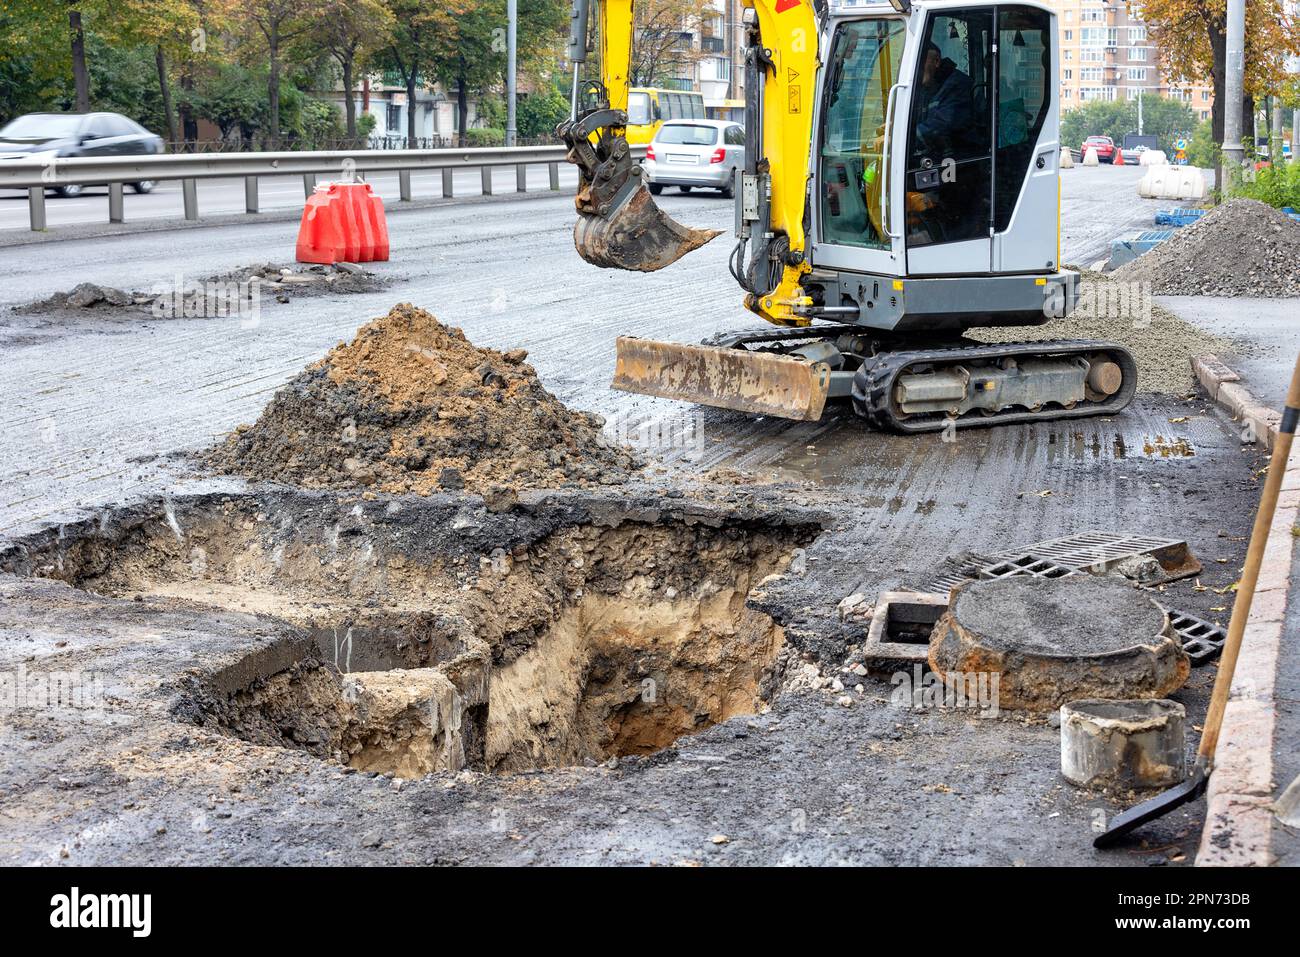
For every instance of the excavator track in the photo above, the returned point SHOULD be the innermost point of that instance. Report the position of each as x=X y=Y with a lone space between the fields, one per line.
x=874 y=385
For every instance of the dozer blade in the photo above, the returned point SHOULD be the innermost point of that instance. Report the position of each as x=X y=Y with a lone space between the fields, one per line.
x=759 y=382
x=636 y=234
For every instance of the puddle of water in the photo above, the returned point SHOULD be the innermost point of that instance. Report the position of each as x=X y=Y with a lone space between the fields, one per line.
x=1173 y=447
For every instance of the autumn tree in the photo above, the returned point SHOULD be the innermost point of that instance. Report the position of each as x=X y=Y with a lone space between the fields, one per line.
x=661 y=47
x=350 y=32
x=420 y=33
x=174 y=30
x=1192 y=38
x=277 y=23
x=472 y=61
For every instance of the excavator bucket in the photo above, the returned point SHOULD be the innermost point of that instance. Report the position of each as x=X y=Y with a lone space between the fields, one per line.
x=635 y=234
x=763 y=383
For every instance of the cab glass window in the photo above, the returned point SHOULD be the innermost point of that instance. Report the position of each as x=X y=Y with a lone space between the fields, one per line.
x=863 y=68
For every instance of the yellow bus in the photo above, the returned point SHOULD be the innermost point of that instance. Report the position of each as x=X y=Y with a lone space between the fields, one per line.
x=648 y=107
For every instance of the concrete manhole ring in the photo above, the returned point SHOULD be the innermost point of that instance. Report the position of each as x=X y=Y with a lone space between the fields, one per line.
x=1056 y=640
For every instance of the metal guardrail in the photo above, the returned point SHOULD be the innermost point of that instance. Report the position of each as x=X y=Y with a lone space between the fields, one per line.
x=37 y=176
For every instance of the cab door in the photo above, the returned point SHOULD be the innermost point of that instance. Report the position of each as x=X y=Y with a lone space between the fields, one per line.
x=949 y=160
x=980 y=186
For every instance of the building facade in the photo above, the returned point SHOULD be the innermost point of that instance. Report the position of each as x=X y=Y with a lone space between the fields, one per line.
x=1107 y=54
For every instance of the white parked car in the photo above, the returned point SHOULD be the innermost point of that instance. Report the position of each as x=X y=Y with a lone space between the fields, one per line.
x=690 y=153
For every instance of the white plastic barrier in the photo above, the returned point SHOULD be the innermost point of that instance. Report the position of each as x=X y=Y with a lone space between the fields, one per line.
x=1090 y=158
x=1153 y=158
x=1172 y=182
x=1067 y=158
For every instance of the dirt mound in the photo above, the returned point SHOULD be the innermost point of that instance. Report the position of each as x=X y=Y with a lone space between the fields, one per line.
x=1124 y=312
x=411 y=405
x=1242 y=248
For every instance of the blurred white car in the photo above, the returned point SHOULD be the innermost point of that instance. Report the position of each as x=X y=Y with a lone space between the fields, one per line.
x=691 y=153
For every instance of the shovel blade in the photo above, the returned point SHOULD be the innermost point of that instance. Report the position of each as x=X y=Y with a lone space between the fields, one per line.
x=636 y=235
x=728 y=378
x=1158 y=806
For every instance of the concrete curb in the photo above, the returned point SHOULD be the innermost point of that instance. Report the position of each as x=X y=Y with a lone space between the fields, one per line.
x=1224 y=387
x=1239 y=815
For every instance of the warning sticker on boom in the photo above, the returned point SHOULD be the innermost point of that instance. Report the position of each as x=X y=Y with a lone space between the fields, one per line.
x=794 y=98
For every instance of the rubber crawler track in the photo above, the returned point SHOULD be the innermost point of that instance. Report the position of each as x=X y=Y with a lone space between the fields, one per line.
x=873 y=385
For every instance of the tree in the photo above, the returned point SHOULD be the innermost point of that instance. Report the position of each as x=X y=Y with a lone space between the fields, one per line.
x=278 y=22
x=1191 y=35
x=172 y=29
x=661 y=48
x=351 y=31
x=419 y=33
x=473 y=59
x=1164 y=118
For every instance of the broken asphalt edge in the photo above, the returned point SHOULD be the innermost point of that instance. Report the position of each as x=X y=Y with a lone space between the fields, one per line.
x=1225 y=388
x=1239 y=803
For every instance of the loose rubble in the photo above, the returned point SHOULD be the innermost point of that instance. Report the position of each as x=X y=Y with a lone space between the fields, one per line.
x=1242 y=248
x=199 y=299
x=411 y=405
x=1120 y=310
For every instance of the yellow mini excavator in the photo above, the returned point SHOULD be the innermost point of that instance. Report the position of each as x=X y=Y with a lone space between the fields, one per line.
x=900 y=186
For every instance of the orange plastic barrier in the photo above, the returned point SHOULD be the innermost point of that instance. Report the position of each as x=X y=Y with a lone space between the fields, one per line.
x=343 y=222
x=1119 y=157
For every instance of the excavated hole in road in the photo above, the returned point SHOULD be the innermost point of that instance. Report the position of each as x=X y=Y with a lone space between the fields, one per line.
x=581 y=643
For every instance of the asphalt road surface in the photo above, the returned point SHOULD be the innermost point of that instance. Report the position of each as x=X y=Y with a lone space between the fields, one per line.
x=89 y=397
x=96 y=407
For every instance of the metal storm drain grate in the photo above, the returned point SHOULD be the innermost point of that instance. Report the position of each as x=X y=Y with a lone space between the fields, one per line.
x=1027 y=565
x=1202 y=640
x=1100 y=551
x=1096 y=552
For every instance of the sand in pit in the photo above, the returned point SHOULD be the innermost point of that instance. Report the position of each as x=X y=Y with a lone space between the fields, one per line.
x=410 y=405
x=1242 y=248
x=1077 y=615
x=1162 y=344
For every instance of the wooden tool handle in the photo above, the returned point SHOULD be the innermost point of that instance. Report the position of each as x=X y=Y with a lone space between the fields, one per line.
x=1250 y=574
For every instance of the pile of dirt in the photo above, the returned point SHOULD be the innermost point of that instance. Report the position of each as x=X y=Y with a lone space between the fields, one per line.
x=1123 y=312
x=411 y=405
x=1242 y=248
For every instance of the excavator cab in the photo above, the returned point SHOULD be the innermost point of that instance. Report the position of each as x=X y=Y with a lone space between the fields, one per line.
x=619 y=224
x=900 y=187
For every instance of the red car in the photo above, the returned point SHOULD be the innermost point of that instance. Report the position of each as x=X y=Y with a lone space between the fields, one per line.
x=1104 y=146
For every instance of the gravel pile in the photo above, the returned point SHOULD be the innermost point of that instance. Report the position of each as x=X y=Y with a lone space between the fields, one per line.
x=1242 y=248
x=1123 y=312
x=411 y=405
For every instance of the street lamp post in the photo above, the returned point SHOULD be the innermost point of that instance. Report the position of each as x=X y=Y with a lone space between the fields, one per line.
x=512 y=24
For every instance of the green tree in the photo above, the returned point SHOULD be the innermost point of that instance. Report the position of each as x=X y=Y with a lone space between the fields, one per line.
x=1162 y=117
x=420 y=33
x=541 y=112
x=276 y=23
x=351 y=32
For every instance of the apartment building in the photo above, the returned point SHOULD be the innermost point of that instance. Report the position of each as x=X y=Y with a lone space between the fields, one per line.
x=1107 y=54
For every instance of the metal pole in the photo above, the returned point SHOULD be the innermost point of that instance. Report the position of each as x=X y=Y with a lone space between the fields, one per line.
x=1275 y=134
x=512 y=23
x=1140 y=111
x=36 y=207
x=250 y=194
x=116 y=213
x=1233 y=85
